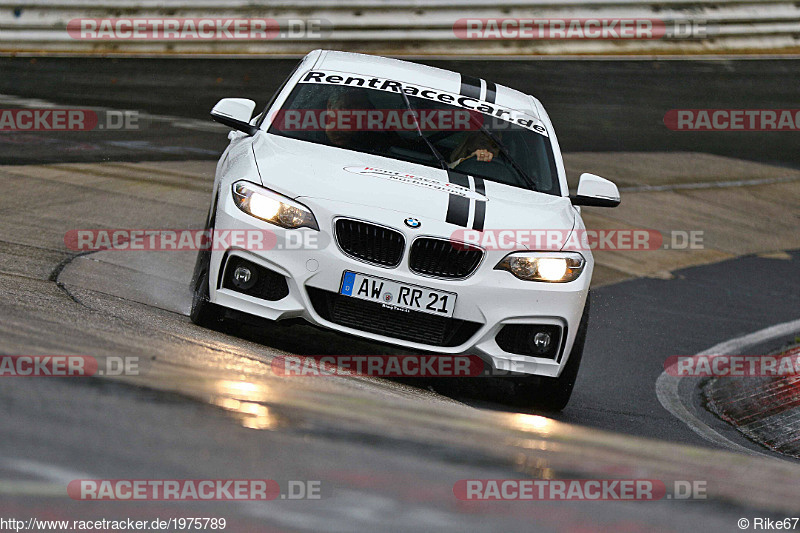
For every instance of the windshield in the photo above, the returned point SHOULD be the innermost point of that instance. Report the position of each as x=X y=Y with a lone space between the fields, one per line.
x=385 y=123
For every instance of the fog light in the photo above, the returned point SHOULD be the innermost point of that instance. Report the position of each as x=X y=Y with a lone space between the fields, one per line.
x=244 y=278
x=541 y=342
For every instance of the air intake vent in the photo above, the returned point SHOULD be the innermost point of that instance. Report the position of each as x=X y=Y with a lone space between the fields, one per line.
x=254 y=280
x=374 y=317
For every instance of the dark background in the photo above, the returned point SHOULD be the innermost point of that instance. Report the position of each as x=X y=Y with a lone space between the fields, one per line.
x=595 y=105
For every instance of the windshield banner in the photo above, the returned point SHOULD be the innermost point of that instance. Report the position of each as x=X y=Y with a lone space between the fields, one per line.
x=500 y=113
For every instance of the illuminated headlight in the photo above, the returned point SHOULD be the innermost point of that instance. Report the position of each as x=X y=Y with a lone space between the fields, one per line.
x=553 y=267
x=272 y=207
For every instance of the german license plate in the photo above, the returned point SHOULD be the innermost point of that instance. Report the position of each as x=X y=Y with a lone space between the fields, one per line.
x=401 y=296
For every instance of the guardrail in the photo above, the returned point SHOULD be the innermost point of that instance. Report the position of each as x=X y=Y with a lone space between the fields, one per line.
x=408 y=27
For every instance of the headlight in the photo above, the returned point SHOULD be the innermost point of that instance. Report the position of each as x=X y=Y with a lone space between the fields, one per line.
x=553 y=267
x=272 y=207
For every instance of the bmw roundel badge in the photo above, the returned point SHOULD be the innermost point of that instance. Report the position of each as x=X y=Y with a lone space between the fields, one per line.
x=412 y=223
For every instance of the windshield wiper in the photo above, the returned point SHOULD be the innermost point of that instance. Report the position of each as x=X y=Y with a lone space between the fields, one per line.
x=503 y=148
x=434 y=151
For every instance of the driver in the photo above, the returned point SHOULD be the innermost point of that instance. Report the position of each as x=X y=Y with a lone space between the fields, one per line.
x=369 y=140
x=347 y=138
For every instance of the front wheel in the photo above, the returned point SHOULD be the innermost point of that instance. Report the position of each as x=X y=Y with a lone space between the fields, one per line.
x=553 y=394
x=203 y=313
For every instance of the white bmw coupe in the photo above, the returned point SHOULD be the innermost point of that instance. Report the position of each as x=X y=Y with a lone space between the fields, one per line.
x=383 y=186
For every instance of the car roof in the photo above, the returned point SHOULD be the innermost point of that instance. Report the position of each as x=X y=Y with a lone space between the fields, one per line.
x=424 y=75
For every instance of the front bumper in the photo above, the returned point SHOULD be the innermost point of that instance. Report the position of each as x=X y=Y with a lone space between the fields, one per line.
x=490 y=299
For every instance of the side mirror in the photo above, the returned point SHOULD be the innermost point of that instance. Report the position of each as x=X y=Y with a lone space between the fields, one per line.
x=236 y=113
x=596 y=191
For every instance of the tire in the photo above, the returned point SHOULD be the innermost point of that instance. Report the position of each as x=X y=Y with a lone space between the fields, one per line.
x=553 y=394
x=204 y=313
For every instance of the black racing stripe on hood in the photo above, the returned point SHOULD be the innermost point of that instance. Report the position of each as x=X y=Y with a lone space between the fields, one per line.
x=458 y=206
x=480 y=186
x=480 y=205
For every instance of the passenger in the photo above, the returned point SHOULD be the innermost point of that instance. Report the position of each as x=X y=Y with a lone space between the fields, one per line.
x=476 y=145
x=354 y=139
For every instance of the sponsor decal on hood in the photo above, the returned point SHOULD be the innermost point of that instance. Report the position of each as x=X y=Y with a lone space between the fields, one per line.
x=466 y=205
x=419 y=181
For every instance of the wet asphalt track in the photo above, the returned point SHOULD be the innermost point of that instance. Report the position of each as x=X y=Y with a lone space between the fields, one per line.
x=110 y=430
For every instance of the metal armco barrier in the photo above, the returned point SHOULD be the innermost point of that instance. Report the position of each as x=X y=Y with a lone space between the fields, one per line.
x=403 y=27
